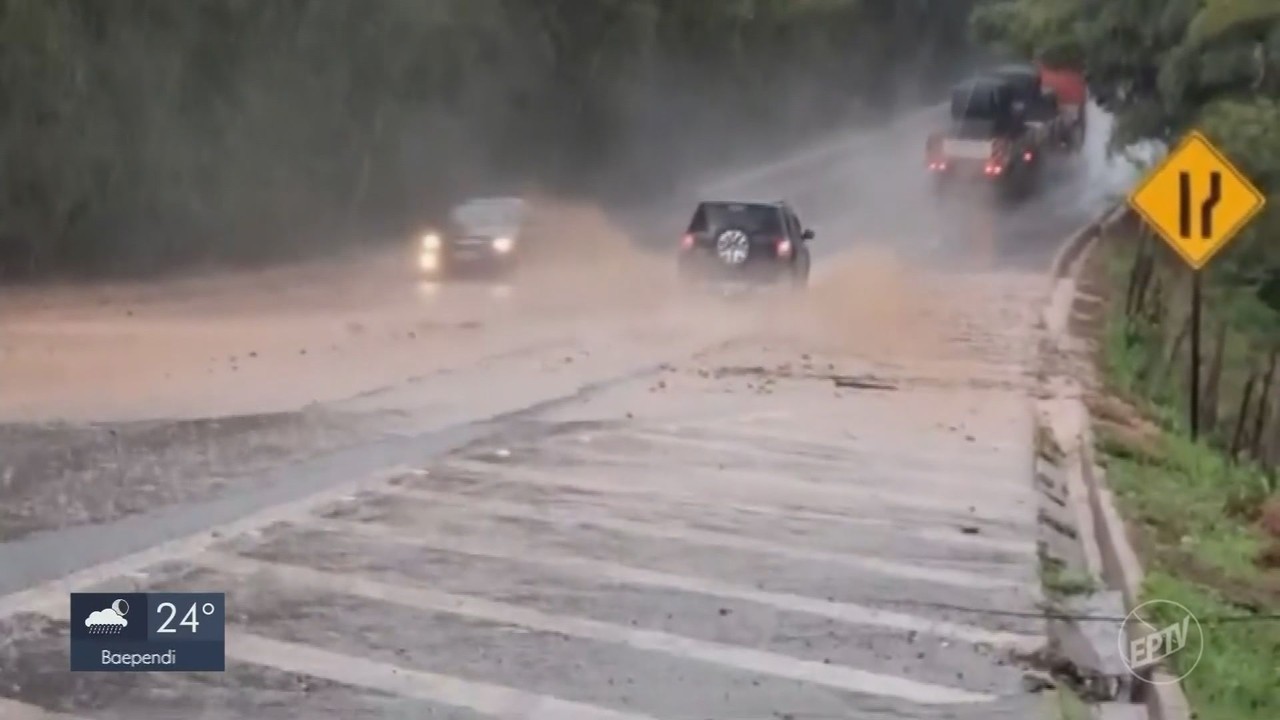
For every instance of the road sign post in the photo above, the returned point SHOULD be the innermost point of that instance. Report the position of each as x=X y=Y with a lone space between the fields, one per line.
x=1197 y=201
x=1193 y=406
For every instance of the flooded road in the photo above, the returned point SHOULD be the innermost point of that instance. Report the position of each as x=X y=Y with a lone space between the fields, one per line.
x=731 y=536
x=612 y=503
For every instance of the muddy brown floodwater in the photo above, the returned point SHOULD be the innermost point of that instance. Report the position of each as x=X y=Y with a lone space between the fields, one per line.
x=119 y=398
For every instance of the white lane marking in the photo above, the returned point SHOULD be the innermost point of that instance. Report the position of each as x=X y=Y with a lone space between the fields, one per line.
x=775 y=489
x=495 y=701
x=933 y=487
x=14 y=710
x=596 y=570
x=51 y=597
x=621 y=489
x=916 y=570
x=986 y=465
x=756 y=661
x=957 y=478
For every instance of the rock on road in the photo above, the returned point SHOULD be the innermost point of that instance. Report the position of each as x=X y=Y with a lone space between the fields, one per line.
x=824 y=512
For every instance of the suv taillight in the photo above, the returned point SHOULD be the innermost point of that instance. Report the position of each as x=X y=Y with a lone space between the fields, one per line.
x=686 y=242
x=784 y=247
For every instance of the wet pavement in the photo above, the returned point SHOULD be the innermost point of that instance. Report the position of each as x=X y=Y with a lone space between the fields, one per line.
x=700 y=542
x=626 y=522
x=58 y=475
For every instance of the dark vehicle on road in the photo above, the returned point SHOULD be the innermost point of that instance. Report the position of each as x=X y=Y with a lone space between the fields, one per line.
x=482 y=235
x=754 y=242
x=992 y=137
x=1058 y=121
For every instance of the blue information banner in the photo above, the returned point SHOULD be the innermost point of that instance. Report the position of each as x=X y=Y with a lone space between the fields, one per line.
x=148 y=632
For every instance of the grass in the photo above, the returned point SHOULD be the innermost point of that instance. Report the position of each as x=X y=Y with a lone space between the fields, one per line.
x=1194 y=520
x=1236 y=676
x=1200 y=556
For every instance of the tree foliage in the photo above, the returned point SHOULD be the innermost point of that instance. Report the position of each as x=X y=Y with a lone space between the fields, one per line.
x=141 y=133
x=1158 y=65
x=1164 y=67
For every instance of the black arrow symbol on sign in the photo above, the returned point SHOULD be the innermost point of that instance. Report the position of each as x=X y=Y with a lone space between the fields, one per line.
x=1185 y=202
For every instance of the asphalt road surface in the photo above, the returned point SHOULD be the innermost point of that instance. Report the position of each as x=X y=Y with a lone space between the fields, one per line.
x=674 y=510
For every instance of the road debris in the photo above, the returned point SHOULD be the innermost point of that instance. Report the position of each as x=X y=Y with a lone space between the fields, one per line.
x=861 y=382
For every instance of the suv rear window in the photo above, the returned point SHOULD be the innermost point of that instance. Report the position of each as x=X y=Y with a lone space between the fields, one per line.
x=711 y=217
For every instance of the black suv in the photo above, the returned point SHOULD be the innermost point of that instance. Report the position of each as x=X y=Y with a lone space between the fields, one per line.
x=750 y=241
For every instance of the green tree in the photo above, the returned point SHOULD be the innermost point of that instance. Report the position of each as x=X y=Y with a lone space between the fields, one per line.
x=1164 y=67
x=137 y=135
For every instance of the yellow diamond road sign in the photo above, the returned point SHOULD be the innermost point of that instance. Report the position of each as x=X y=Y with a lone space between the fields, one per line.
x=1197 y=200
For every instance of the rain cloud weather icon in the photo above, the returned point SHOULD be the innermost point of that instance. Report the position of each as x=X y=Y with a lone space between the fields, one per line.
x=109 y=621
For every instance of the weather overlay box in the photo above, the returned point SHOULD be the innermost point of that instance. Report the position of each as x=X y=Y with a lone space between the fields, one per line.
x=148 y=632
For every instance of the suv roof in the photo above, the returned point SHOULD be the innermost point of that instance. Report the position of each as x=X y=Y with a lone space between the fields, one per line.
x=777 y=204
x=1024 y=80
x=984 y=97
x=1016 y=70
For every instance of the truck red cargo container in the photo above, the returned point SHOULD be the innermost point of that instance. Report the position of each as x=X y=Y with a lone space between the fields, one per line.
x=1068 y=84
x=1073 y=96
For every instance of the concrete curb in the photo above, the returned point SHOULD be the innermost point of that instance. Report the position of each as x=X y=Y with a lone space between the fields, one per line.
x=1123 y=571
x=1074 y=248
x=1065 y=266
x=1105 y=550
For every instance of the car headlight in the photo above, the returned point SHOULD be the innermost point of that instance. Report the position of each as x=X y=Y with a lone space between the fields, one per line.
x=431 y=241
x=504 y=244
